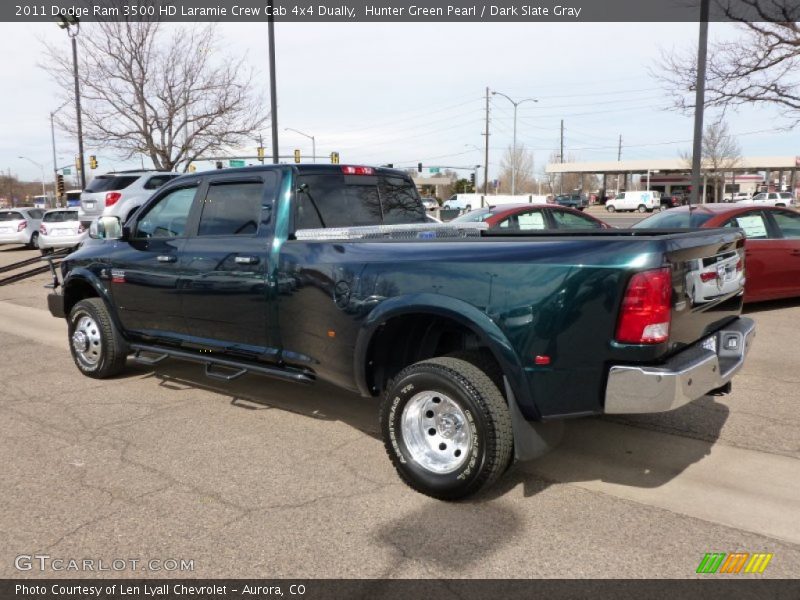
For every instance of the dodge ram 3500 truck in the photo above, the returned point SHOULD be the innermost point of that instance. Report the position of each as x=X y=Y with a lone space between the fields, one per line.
x=470 y=337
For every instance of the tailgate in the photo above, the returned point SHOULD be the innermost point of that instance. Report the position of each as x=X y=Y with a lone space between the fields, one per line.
x=708 y=276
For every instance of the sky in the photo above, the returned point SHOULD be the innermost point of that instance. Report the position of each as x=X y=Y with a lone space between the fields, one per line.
x=405 y=93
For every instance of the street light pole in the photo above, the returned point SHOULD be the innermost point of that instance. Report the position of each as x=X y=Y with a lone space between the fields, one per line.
x=514 y=144
x=73 y=34
x=53 y=140
x=311 y=137
x=273 y=86
x=41 y=166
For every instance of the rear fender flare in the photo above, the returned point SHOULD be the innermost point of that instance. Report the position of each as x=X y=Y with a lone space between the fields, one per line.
x=467 y=315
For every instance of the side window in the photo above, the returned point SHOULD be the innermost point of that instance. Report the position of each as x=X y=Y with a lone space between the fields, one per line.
x=788 y=223
x=509 y=223
x=167 y=217
x=531 y=221
x=157 y=181
x=567 y=220
x=753 y=225
x=232 y=209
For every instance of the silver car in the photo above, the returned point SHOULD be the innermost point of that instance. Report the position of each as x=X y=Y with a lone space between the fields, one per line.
x=120 y=194
x=20 y=226
x=61 y=228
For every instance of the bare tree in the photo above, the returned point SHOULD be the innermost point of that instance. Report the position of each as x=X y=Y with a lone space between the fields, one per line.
x=721 y=153
x=161 y=91
x=522 y=160
x=758 y=68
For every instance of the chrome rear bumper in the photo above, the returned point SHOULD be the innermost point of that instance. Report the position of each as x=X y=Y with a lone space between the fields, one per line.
x=686 y=376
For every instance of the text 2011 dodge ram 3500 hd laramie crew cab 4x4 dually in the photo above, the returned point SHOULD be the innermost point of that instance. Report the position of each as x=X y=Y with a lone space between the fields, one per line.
x=469 y=336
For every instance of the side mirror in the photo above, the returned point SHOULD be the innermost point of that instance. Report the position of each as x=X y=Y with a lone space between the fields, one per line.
x=106 y=228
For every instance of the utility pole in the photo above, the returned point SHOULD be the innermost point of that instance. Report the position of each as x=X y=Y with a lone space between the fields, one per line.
x=619 y=158
x=514 y=159
x=486 y=150
x=273 y=88
x=699 y=103
x=561 y=159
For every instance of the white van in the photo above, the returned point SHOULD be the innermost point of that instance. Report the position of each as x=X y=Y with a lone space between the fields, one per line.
x=640 y=201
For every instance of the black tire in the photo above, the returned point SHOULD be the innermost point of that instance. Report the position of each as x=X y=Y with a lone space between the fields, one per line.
x=486 y=414
x=105 y=349
x=45 y=251
x=610 y=208
x=468 y=207
x=33 y=244
x=641 y=208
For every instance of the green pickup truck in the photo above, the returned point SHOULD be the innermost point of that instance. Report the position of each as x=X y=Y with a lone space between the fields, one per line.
x=469 y=338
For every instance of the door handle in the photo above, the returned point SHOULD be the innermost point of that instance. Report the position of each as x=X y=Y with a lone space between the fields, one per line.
x=795 y=253
x=246 y=260
x=166 y=258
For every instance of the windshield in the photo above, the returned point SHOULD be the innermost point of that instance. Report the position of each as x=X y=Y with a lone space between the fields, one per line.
x=61 y=216
x=475 y=216
x=105 y=183
x=10 y=216
x=674 y=220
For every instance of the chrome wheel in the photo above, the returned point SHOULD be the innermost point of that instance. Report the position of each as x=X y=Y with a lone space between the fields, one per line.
x=436 y=432
x=86 y=341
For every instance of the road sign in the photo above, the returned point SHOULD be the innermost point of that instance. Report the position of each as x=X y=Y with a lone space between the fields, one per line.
x=433 y=170
x=67 y=171
x=235 y=162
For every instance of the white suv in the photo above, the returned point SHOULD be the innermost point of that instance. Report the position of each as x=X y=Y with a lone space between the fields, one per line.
x=120 y=194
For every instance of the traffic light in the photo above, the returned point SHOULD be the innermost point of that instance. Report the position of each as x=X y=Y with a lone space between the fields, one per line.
x=191 y=168
x=260 y=151
x=334 y=158
x=78 y=164
x=472 y=178
x=59 y=184
x=92 y=161
x=419 y=167
x=296 y=155
x=219 y=164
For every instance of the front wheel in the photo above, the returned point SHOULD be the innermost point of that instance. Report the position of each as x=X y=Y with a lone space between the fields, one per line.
x=642 y=208
x=97 y=348
x=446 y=428
x=610 y=208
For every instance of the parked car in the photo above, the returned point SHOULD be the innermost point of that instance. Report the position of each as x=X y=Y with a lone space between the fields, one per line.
x=120 y=194
x=671 y=201
x=772 y=246
x=737 y=196
x=430 y=203
x=61 y=228
x=464 y=334
x=638 y=201
x=20 y=226
x=771 y=199
x=526 y=217
x=578 y=201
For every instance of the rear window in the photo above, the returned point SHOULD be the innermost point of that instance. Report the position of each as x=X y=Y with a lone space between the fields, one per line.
x=61 y=216
x=10 y=216
x=107 y=183
x=337 y=200
x=156 y=182
x=674 y=220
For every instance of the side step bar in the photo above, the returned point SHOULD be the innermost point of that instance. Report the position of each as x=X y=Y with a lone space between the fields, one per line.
x=239 y=368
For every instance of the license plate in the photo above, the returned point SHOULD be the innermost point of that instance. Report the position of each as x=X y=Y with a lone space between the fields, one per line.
x=710 y=344
x=89 y=204
x=61 y=232
x=6 y=230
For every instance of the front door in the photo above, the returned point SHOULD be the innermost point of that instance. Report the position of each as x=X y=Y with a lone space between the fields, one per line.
x=787 y=255
x=225 y=289
x=145 y=267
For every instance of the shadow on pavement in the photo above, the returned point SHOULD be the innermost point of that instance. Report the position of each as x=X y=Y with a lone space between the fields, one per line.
x=625 y=450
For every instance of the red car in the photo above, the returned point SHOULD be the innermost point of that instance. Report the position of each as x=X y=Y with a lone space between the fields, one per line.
x=532 y=217
x=772 y=247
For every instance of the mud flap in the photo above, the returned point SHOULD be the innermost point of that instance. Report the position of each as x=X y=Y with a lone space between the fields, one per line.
x=531 y=439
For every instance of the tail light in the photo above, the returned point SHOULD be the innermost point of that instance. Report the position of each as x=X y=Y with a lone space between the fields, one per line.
x=709 y=276
x=22 y=225
x=81 y=228
x=348 y=170
x=112 y=198
x=645 y=313
x=42 y=229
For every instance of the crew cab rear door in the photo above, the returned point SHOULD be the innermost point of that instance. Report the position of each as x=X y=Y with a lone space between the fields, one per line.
x=225 y=294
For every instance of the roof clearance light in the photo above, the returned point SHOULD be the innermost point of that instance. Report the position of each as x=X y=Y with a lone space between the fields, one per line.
x=350 y=170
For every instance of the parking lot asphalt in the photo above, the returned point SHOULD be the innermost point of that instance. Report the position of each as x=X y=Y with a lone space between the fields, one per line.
x=258 y=478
